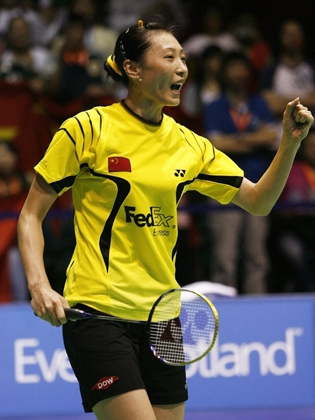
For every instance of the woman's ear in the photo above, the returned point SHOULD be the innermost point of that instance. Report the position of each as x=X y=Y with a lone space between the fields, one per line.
x=132 y=69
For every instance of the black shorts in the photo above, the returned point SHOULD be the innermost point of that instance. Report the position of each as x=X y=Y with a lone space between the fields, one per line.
x=110 y=358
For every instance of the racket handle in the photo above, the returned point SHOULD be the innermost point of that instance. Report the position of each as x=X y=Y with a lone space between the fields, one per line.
x=74 y=314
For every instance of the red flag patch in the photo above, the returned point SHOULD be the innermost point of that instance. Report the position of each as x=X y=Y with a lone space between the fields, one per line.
x=119 y=164
x=105 y=383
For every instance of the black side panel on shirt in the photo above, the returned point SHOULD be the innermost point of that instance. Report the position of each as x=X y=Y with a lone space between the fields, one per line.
x=234 y=181
x=63 y=183
x=123 y=187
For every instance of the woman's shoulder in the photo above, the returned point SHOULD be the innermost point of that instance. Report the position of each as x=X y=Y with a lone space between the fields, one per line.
x=95 y=113
x=191 y=138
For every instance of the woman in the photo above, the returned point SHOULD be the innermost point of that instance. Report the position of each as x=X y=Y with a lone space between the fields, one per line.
x=128 y=165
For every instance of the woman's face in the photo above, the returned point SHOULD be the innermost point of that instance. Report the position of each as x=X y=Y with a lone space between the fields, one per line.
x=163 y=70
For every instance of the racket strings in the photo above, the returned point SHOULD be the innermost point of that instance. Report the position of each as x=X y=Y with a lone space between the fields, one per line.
x=185 y=328
x=167 y=341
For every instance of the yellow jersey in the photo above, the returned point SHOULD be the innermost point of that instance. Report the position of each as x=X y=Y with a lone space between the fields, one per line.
x=127 y=177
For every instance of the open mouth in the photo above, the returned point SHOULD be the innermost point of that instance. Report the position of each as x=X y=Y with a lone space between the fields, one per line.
x=176 y=87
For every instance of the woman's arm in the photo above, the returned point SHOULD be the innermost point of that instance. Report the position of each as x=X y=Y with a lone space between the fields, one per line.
x=45 y=302
x=260 y=198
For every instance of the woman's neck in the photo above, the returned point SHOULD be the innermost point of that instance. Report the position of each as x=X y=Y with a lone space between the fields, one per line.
x=145 y=110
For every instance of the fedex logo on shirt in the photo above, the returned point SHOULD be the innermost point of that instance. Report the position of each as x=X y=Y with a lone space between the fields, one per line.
x=153 y=218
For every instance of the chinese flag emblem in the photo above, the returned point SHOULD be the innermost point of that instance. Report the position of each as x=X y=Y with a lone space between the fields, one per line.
x=119 y=164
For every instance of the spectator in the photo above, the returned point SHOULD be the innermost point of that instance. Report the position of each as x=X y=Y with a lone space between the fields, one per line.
x=292 y=74
x=22 y=60
x=51 y=19
x=78 y=72
x=212 y=33
x=16 y=8
x=13 y=189
x=240 y=125
x=252 y=44
x=24 y=73
x=208 y=75
x=292 y=244
x=98 y=39
x=123 y=13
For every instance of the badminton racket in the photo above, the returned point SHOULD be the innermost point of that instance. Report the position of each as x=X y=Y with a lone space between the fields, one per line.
x=182 y=326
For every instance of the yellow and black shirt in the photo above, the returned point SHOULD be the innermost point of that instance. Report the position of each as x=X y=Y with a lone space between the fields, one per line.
x=127 y=177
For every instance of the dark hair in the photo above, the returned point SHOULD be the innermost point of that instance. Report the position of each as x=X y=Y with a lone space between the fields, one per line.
x=230 y=59
x=235 y=57
x=133 y=43
x=211 y=51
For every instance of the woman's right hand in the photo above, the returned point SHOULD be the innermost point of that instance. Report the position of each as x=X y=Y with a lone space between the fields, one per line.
x=49 y=305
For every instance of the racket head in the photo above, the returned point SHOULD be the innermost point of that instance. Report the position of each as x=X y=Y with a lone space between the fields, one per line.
x=182 y=327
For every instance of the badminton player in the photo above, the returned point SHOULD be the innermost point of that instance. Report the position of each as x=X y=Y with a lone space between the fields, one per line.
x=128 y=165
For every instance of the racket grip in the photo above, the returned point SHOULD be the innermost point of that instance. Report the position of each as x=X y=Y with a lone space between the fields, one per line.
x=74 y=314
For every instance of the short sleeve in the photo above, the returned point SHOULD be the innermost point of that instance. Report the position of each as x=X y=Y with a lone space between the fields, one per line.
x=220 y=177
x=65 y=155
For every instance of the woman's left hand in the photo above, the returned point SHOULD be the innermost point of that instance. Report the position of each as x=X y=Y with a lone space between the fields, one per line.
x=297 y=120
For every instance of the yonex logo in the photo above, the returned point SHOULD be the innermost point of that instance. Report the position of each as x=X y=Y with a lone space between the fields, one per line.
x=180 y=172
x=105 y=383
x=154 y=218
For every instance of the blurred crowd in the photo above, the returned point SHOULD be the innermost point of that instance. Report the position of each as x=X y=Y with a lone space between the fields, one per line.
x=51 y=67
